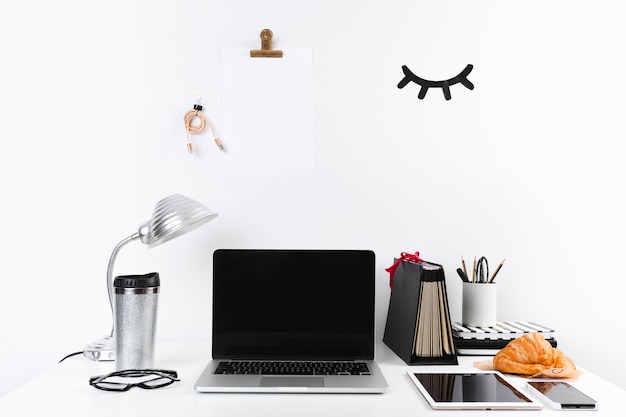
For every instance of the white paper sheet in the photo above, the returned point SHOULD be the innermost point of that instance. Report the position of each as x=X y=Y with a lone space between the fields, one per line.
x=268 y=127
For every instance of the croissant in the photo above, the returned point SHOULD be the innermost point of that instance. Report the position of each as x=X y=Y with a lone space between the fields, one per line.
x=532 y=355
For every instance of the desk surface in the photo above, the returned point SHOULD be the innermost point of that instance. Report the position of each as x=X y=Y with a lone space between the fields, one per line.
x=64 y=390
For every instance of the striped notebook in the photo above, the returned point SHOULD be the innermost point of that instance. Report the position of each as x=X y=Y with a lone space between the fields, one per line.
x=506 y=330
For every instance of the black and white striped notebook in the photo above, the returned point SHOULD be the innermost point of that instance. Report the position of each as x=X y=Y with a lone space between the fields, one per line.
x=506 y=330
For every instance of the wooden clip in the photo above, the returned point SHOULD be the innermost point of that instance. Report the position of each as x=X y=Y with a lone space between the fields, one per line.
x=266 y=50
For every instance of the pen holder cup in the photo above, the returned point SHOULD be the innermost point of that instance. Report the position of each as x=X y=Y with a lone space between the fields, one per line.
x=480 y=301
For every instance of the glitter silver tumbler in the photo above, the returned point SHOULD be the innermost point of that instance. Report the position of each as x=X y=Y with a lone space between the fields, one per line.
x=135 y=308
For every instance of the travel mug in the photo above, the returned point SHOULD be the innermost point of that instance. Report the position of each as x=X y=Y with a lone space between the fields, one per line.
x=135 y=309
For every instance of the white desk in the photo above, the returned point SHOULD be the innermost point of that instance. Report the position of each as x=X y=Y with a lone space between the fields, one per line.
x=64 y=391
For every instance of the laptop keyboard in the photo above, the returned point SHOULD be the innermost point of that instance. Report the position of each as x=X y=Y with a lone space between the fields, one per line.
x=292 y=368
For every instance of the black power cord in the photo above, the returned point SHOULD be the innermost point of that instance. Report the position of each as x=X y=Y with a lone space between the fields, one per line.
x=70 y=355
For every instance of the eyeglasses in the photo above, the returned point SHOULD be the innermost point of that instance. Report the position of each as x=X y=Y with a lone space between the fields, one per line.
x=152 y=378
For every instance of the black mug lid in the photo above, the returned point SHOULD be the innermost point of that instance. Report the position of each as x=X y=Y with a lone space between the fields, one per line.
x=137 y=281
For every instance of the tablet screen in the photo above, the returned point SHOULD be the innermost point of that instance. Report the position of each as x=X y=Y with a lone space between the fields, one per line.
x=471 y=391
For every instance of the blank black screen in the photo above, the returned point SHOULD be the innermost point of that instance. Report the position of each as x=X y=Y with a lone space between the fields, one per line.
x=470 y=387
x=564 y=394
x=293 y=304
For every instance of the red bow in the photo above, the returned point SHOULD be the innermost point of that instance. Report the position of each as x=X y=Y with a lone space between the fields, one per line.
x=404 y=256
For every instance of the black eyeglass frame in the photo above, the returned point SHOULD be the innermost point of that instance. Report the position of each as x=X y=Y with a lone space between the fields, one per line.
x=168 y=376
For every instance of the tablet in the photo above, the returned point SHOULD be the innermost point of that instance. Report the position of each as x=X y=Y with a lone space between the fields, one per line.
x=471 y=391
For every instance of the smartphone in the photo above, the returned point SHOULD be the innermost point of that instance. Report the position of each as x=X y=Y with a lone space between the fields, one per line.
x=562 y=396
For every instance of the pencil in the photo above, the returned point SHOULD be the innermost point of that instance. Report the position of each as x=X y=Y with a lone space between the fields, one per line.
x=474 y=270
x=463 y=264
x=495 y=272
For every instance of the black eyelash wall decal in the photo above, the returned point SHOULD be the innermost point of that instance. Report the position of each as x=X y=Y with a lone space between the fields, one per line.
x=444 y=85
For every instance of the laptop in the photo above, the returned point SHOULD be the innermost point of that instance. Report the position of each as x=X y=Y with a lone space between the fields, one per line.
x=293 y=321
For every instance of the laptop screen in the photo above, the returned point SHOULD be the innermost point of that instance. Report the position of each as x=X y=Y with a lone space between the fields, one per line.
x=293 y=304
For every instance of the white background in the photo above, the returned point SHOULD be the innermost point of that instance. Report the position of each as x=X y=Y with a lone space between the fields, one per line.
x=528 y=166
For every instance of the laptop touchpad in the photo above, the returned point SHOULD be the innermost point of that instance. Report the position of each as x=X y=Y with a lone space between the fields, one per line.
x=291 y=381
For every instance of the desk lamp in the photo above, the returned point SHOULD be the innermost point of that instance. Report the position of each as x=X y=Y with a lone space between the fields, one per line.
x=173 y=216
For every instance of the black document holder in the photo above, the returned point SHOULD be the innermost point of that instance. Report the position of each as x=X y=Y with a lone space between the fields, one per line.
x=401 y=328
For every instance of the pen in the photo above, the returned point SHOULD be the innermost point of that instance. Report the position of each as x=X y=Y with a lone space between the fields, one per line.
x=482 y=270
x=463 y=265
x=495 y=272
x=462 y=274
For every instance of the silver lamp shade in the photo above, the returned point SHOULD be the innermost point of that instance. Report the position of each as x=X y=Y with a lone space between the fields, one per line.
x=173 y=216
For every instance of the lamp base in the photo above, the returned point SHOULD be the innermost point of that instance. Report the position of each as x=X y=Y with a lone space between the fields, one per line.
x=101 y=350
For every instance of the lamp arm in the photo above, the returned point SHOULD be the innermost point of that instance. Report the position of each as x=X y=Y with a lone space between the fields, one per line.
x=117 y=248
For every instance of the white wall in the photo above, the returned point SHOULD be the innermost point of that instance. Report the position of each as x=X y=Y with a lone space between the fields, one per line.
x=527 y=166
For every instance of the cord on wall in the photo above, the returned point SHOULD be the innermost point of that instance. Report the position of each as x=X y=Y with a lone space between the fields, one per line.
x=196 y=122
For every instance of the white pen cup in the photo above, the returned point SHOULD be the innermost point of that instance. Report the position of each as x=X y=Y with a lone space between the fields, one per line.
x=480 y=302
